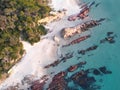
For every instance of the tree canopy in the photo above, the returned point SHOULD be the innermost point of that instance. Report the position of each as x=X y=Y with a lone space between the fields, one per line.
x=18 y=20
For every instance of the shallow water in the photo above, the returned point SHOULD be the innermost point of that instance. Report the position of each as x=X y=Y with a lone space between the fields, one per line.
x=107 y=54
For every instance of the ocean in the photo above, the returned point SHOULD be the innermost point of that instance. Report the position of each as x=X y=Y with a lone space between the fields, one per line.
x=106 y=54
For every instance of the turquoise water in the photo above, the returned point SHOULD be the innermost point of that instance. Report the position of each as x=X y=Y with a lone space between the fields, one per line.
x=107 y=54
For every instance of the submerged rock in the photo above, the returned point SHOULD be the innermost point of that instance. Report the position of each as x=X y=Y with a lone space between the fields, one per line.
x=110 y=38
x=81 y=78
x=58 y=82
x=109 y=33
x=88 y=49
x=96 y=72
x=104 y=70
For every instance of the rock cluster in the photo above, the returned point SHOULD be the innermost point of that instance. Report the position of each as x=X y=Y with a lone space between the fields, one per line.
x=58 y=82
x=71 y=31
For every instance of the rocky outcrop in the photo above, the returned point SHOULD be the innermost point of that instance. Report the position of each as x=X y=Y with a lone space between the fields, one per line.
x=68 y=32
x=71 y=31
x=58 y=82
x=53 y=17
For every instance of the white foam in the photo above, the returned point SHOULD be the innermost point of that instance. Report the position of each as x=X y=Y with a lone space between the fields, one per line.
x=72 y=6
x=43 y=52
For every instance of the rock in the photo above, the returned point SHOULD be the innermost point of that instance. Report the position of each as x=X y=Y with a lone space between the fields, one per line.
x=112 y=41
x=56 y=39
x=109 y=33
x=58 y=82
x=92 y=48
x=96 y=72
x=108 y=72
x=68 y=32
x=72 y=68
x=82 y=52
x=81 y=78
x=71 y=31
x=104 y=70
x=55 y=16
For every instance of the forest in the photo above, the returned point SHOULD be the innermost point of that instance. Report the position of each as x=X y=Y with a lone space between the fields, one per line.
x=18 y=21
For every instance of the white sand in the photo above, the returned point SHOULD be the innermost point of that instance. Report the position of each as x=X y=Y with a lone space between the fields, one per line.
x=31 y=64
x=27 y=46
x=45 y=51
x=71 y=5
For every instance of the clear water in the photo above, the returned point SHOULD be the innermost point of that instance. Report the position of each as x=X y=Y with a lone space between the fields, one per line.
x=107 y=54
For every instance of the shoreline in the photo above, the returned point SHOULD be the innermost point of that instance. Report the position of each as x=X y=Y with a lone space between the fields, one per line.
x=39 y=55
x=29 y=49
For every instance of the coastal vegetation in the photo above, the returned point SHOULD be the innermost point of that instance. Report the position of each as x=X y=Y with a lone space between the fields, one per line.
x=18 y=21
